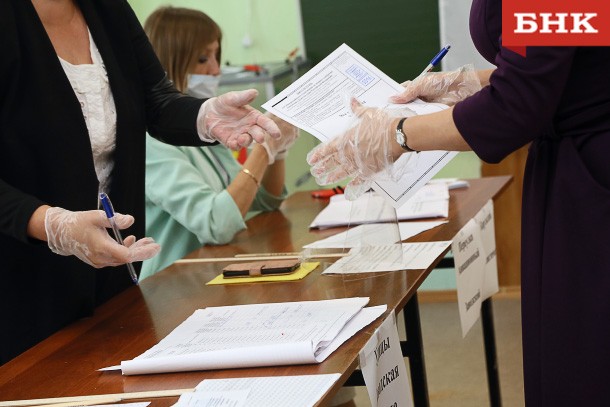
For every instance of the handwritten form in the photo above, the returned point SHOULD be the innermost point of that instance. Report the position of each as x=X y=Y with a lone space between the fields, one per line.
x=294 y=391
x=256 y=335
x=318 y=102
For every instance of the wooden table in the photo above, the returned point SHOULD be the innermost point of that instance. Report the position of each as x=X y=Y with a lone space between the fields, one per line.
x=66 y=363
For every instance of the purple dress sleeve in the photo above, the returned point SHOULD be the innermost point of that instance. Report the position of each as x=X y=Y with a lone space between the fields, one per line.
x=518 y=105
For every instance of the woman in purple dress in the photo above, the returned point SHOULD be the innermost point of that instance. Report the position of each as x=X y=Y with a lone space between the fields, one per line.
x=558 y=100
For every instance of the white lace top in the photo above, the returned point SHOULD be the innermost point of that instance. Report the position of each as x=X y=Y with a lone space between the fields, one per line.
x=90 y=84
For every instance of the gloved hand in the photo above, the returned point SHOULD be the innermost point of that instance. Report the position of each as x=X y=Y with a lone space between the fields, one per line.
x=228 y=119
x=441 y=87
x=364 y=152
x=278 y=148
x=84 y=235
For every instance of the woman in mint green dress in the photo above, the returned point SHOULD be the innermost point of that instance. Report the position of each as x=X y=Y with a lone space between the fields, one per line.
x=197 y=196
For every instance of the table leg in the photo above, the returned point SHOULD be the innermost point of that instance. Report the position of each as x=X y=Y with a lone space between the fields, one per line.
x=415 y=353
x=489 y=339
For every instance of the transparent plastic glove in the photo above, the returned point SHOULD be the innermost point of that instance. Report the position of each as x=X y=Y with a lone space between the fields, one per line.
x=277 y=148
x=228 y=119
x=363 y=153
x=84 y=235
x=441 y=87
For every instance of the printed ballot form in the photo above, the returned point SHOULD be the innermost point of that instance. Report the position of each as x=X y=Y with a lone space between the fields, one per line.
x=255 y=335
x=319 y=103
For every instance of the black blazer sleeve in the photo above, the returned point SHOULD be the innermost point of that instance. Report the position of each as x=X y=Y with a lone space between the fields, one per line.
x=171 y=116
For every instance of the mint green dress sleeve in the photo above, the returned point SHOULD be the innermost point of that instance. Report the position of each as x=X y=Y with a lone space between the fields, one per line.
x=187 y=205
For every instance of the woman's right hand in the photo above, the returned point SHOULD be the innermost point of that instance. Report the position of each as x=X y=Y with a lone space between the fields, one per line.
x=441 y=87
x=84 y=235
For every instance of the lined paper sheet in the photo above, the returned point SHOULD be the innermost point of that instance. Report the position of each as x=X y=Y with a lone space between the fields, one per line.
x=256 y=335
x=281 y=391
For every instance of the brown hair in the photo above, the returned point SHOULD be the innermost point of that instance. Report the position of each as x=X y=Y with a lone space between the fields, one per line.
x=178 y=36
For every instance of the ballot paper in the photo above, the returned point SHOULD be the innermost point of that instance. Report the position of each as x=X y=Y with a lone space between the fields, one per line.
x=318 y=102
x=366 y=259
x=255 y=335
x=280 y=391
x=378 y=234
x=431 y=201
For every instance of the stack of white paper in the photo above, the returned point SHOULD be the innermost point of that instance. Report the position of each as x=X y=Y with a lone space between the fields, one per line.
x=430 y=201
x=256 y=335
x=281 y=391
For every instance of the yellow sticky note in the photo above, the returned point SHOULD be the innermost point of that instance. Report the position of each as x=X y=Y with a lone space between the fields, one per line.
x=301 y=272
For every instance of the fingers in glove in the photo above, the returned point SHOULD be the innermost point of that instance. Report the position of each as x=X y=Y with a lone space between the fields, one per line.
x=123 y=221
x=269 y=126
x=239 y=98
x=256 y=133
x=356 y=187
x=410 y=93
x=144 y=249
x=129 y=240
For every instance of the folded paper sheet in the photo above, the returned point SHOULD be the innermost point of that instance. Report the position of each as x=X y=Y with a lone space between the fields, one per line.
x=256 y=335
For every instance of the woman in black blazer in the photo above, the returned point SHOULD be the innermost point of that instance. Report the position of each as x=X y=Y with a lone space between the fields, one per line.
x=46 y=158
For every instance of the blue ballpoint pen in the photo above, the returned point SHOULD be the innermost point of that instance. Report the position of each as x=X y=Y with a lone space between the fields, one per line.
x=441 y=54
x=107 y=205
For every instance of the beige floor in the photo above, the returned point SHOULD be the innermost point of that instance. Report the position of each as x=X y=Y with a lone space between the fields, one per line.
x=456 y=367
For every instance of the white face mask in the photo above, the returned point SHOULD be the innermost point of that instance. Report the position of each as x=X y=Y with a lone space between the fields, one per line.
x=202 y=86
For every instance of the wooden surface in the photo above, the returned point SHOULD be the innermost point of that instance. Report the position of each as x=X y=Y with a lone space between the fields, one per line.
x=66 y=364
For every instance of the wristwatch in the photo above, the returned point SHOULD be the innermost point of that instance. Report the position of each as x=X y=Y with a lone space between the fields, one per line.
x=401 y=138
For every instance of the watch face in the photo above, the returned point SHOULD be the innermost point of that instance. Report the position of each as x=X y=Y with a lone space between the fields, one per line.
x=400 y=138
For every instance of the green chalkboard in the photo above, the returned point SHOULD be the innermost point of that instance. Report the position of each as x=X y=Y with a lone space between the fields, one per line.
x=399 y=37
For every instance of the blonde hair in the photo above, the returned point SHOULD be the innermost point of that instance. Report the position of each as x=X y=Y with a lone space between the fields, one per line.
x=179 y=36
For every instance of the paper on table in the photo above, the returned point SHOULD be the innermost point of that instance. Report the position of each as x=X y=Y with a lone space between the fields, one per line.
x=226 y=398
x=431 y=201
x=415 y=256
x=376 y=234
x=317 y=102
x=303 y=270
x=253 y=335
x=280 y=391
